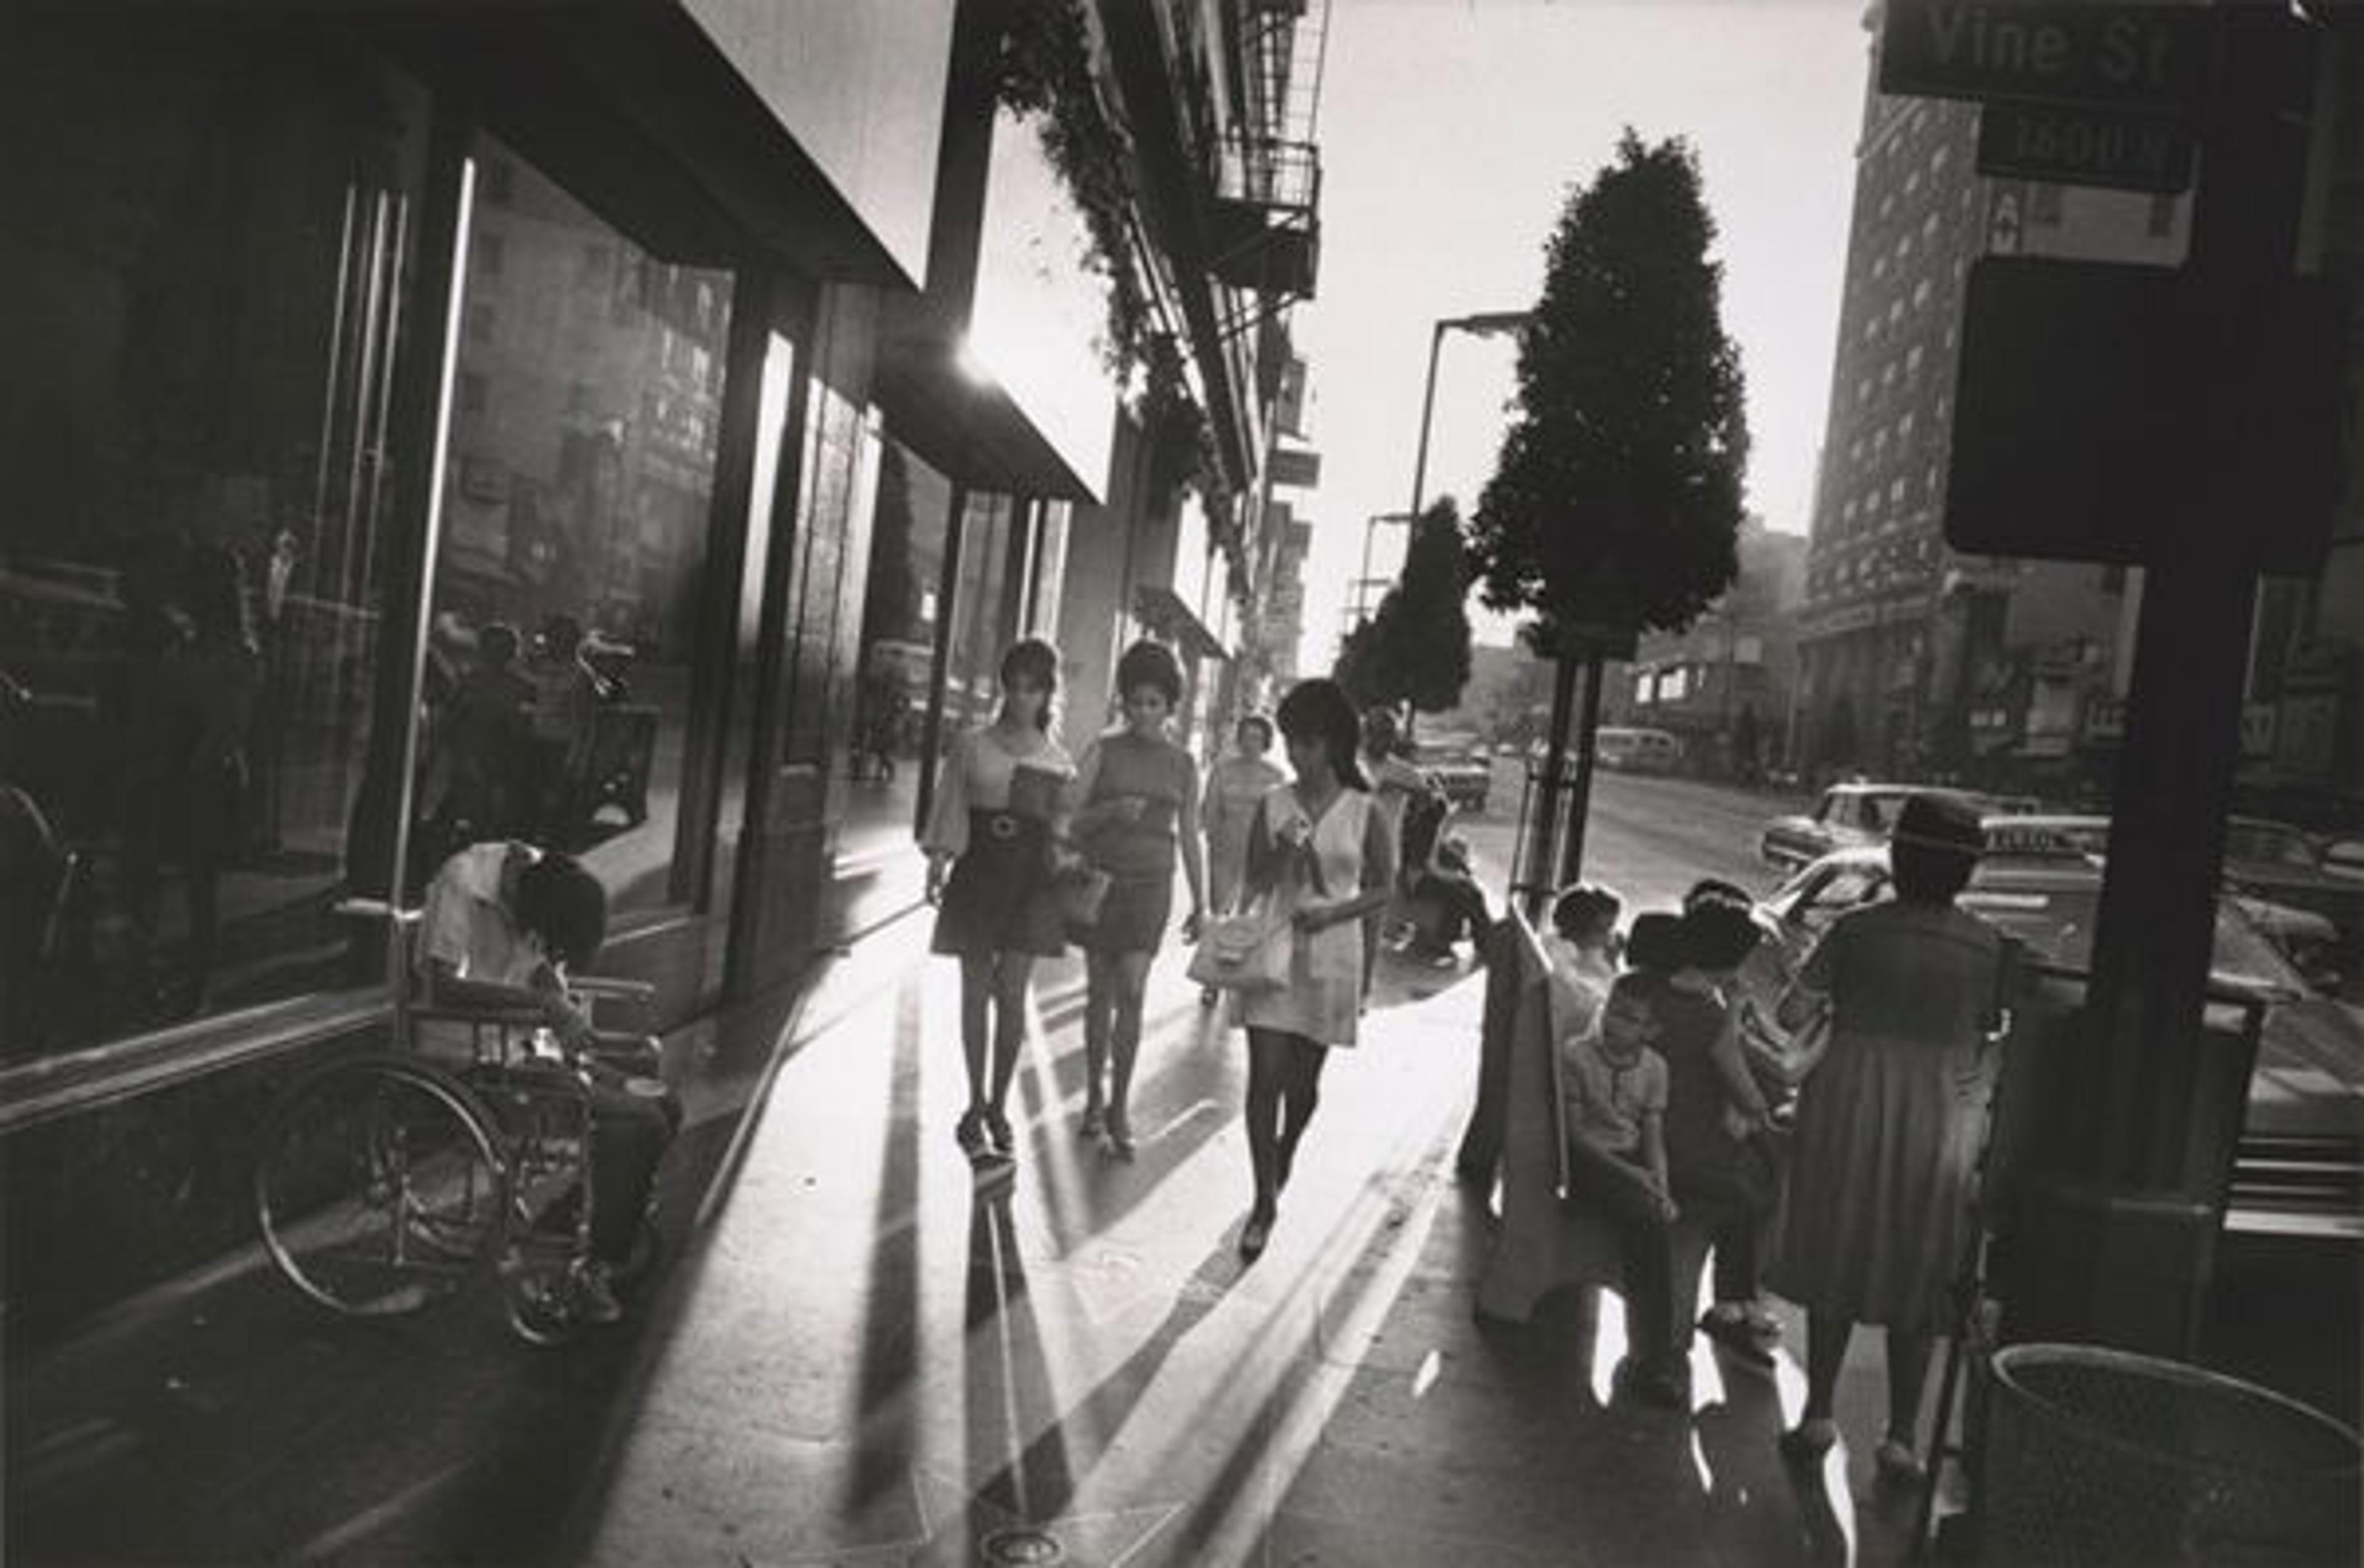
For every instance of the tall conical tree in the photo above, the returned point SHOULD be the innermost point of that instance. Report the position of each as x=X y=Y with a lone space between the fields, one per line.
x=1614 y=506
x=1415 y=647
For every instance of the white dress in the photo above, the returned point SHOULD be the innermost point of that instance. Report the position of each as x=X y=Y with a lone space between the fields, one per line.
x=1323 y=998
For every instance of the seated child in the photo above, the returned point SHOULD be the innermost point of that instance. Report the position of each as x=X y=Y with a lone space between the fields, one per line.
x=1581 y=952
x=1613 y=1088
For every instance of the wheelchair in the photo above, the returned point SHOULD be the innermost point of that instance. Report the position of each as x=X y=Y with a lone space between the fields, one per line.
x=391 y=1179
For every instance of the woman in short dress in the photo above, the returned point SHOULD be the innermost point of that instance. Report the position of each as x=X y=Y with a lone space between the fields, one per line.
x=1889 y=1123
x=1136 y=814
x=1321 y=848
x=989 y=845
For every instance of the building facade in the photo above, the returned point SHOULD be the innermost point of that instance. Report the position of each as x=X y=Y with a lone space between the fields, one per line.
x=637 y=431
x=1724 y=687
x=1917 y=661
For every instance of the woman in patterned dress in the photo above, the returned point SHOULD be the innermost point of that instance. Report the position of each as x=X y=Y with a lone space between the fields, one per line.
x=989 y=844
x=1137 y=813
x=1890 y=1122
x=1323 y=849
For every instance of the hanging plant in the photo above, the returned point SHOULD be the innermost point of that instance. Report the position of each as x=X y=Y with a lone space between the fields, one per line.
x=1043 y=72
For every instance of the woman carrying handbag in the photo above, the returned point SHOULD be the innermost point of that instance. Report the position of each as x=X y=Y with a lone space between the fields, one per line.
x=1321 y=851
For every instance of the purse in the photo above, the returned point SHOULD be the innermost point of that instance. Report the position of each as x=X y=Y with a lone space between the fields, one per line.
x=1248 y=952
x=1079 y=893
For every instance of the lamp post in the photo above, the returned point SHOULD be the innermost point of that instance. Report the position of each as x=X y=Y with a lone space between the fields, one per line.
x=1485 y=324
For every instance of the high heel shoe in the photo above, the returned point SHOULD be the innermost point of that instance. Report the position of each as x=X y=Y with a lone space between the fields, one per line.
x=1094 y=1122
x=1120 y=1135
x=1005 y=1143
x=1253 y=1235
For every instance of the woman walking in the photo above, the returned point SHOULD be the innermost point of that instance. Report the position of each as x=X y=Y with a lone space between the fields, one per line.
x=989 y=845
x=1137 y=811
x=1236 y=785
x=1888 y=1124
x=1323 y=850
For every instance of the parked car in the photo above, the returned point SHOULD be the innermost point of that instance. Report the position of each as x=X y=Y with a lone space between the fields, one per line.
x=1856 y=814
x=2269 y=870
x=1461 y=768
x=2296 y=1167
x=1630 y=750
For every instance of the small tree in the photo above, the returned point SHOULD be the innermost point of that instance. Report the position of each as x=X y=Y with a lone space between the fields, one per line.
x=1614 y=506
x=1415 y=647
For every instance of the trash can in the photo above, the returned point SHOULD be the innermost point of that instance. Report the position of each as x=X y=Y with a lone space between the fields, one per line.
x=2097 y=1456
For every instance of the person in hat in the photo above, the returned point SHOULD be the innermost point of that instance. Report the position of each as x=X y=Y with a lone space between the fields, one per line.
x=1889 y=1123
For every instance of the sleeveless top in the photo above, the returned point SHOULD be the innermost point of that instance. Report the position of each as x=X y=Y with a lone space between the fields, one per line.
x=1155 y=772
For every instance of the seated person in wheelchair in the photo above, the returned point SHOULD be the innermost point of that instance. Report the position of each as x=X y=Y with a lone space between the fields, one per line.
x=502 y=922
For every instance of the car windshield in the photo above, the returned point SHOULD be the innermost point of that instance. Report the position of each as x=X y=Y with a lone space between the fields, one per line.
x=2056 y=924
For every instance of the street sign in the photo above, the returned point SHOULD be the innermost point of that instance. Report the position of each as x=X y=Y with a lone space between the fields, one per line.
x=2085 y=147
x=2089 y=425
x=2152 y=57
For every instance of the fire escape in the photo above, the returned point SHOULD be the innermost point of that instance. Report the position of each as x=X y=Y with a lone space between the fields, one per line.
x=1267 y=229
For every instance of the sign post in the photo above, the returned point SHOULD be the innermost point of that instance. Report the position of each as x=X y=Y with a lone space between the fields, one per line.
x=2117 y=1243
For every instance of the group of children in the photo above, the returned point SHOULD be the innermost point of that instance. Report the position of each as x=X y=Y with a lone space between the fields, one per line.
x=1664 y=1118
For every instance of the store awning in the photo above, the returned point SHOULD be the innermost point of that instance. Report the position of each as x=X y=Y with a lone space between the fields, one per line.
x=1161 y=610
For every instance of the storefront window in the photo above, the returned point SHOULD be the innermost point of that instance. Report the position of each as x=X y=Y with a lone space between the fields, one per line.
x=209 y=261
x=571 y=573
x=980 y=622
x=901 y=620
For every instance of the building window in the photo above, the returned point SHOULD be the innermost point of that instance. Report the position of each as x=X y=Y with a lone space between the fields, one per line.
x=569 y=604
x=199 y=545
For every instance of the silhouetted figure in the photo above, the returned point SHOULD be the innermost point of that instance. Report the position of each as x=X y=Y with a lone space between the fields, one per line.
x=486 y=730
x=186 y=782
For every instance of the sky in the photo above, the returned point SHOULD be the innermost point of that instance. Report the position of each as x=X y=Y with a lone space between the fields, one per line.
x=1451 y=134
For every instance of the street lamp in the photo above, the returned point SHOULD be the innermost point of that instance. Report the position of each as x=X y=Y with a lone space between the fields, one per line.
x=1485 y=324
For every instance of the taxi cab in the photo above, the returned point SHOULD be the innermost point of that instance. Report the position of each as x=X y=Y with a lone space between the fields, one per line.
x=1853 y=814
x=2299 y=1163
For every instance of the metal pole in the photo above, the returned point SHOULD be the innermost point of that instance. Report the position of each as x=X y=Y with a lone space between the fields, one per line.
x=1427 y=413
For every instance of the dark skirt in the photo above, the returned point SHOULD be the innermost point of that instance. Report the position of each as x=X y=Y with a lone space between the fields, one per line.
x=1133 y=916
x=998 y=898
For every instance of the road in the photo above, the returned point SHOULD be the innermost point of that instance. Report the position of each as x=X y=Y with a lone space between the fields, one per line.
x=1649 y=838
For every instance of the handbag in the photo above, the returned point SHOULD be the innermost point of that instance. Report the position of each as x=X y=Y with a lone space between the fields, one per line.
x=1248 y=951
x=1079 y=892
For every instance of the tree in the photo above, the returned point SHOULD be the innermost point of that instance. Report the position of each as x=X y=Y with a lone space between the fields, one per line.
x=1415 y=647
x=1614 y=506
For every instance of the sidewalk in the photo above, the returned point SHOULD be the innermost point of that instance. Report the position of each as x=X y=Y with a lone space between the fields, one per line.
x=853 y=1362
x=863 y=1363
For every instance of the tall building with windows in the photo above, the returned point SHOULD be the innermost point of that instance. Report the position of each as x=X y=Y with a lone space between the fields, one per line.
x=1914 y=659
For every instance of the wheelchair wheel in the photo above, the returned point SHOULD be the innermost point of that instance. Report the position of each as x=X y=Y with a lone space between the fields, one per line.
x=379 y=1188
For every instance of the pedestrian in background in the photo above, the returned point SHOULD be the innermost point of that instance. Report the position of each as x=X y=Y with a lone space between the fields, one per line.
x=1889 y=1123
x=990 y=842
x=1135 y=812
x=1323 y=850
x=1397 y=787
x=1235 y=785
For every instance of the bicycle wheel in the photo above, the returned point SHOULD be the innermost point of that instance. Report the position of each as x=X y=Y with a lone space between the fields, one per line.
x=378 y=1186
